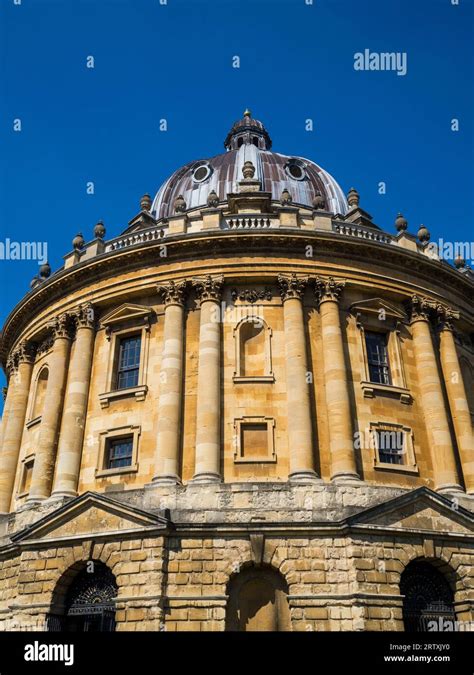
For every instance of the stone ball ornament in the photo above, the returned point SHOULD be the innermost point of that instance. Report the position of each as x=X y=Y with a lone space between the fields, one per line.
x=401 y=223
x=78 y=242
x=99 y=230
x=423 y=234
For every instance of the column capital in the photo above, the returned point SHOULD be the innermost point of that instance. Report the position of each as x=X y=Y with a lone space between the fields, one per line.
x=173 y=292
x=420 y=308
x=25 y=352
x=209 y=288
x=84 y=316
x=61 y=326
x=328 y=289
x=446 y=316
x=292 y=286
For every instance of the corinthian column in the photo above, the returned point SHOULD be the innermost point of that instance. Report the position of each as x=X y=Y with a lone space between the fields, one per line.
x=336 y=381
x=171 y=385
x=73 y=423
x=43 y=468
x=300 y=430
x=208 y=420
x=20 y=368
x=456 y=394
x=432 y=400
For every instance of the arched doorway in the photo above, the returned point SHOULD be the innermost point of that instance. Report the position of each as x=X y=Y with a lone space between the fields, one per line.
x=88 y=601
x=428 y=596
x=258 y=601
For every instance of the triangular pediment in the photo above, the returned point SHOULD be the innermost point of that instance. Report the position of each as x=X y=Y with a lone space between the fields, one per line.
x=421 y=509
x=126 y=312
x=88 y=515
x=376 y=306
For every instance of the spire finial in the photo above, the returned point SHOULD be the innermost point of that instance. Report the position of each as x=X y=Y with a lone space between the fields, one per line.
x=247 y=113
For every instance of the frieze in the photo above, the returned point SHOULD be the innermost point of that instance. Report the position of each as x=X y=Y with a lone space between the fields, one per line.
x=181 y=248
x=251 y=295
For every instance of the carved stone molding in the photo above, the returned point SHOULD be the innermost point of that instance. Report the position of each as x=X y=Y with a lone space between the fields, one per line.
x=328 y=289
x=45 y=345
x=292 y=286
x=393 y=258
x=209 y=288
x=173 y=292
x=251 y=295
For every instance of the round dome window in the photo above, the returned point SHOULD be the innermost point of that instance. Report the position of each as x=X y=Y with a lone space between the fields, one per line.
x=201 y=173
x=295 y=170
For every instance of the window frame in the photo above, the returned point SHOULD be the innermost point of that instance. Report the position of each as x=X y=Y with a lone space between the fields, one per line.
x=33 y=419
x=105 y=437
x=380 y=366
x=124 y=322
x=366 y=316
x=268 y=376
x=409 y=466
x=27 y=460
x=118 y=370
x=247 y=421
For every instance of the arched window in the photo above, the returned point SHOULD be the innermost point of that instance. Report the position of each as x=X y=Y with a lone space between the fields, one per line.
x=258 y=601
x=255 y=141
x=86 y=603
x=253 y=350
x=40 y=393
x=427 y=597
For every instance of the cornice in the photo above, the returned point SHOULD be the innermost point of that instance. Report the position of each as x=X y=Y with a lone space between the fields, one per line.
x=189 y=246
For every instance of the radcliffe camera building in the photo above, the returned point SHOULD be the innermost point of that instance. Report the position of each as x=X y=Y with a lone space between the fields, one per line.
x=252 y=410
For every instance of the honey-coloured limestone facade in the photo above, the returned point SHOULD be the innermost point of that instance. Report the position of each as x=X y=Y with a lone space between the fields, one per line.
x=252 y=410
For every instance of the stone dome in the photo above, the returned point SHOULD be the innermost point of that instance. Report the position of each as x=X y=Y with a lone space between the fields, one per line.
x=248 y=140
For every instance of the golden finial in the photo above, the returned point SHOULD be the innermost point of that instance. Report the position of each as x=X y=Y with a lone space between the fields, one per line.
x=247 y=113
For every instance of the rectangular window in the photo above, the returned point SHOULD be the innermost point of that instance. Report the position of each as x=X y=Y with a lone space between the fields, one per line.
x=377 y=357
x=390 y=446
x=119 y=452
x=128 y=362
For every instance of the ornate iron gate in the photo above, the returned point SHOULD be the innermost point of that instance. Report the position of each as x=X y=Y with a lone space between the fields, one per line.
x=428 y=597
x=89 y=603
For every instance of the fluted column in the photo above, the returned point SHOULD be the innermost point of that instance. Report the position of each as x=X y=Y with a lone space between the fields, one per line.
x=208 y=420
x=456 y=394
x=20 y=367
x=170 y=404
x=336 y=381
x=432 y=400
x=300 y=430
x=73 y=423
x=43 y=468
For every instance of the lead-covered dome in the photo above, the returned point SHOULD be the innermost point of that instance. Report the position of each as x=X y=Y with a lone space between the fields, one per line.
x=248 y=140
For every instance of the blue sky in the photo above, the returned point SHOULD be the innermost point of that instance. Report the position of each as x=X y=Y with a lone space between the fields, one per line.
x=174 y=61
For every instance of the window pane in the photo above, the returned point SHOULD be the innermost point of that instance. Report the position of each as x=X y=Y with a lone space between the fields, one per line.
x=128 y=362
x=120 y=453
x=377 y=356
x=390 y=444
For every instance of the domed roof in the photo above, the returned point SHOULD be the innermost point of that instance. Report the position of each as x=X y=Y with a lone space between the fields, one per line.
x=248 y=140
